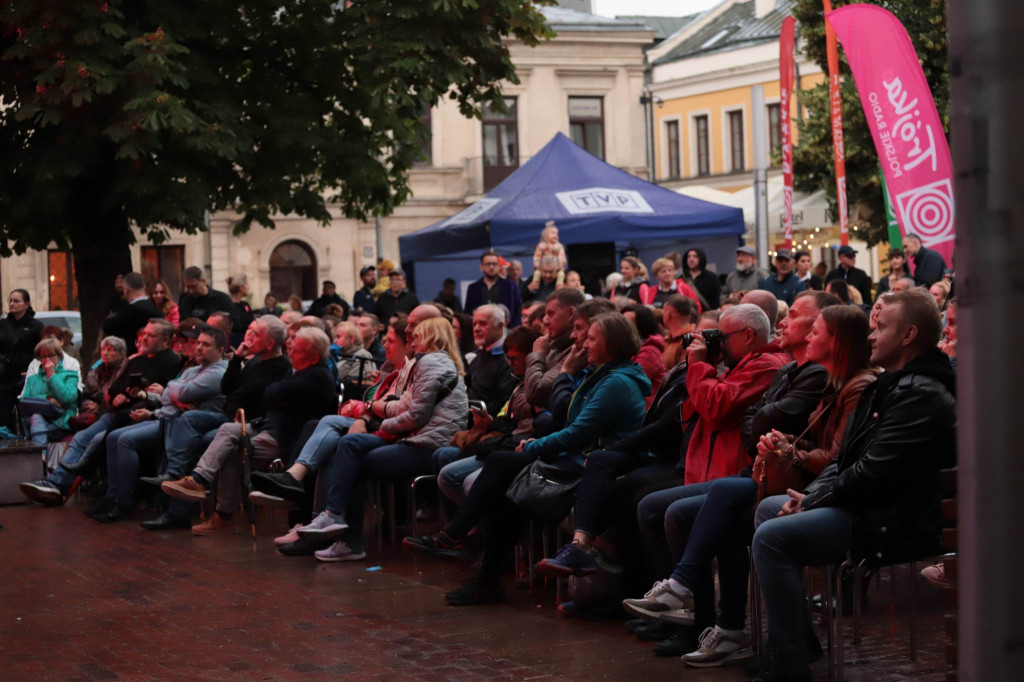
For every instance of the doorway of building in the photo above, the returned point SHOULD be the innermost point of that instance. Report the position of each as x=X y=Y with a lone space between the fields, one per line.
x=293 y=271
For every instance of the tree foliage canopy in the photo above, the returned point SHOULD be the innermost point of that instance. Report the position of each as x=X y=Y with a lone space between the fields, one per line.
x=925 y=21
x=153 y=111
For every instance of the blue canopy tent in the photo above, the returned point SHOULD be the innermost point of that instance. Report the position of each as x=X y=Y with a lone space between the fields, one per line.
x=589 y=200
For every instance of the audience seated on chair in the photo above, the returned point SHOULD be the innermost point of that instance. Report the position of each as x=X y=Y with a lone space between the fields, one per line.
x=879 y=497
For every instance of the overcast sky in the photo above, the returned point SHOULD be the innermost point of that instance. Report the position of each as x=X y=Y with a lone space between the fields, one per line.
x=653 y=8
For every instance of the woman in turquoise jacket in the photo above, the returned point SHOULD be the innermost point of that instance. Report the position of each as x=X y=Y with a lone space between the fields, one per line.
x=54 y=384
x=608 y=405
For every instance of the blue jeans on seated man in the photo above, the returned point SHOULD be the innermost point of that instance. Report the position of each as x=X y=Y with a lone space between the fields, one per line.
x=722 y=528
x=782 y=546
x=360 y=457
x=454 y=469
x=183 y=437
x=666 y=536
x=125 y=449
x=84 y=442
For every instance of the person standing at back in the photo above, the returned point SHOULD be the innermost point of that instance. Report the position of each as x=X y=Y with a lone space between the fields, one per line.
x=784 y=284
x=198 y=299
x=746 y=276
x=364 y=301
x=127 y=322
x=695 y=264
x=928 y=265
x=849 y=273
x=491 y=288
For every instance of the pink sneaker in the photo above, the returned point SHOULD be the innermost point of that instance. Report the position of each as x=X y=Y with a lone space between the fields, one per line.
x=289 y=537
x=936 y=575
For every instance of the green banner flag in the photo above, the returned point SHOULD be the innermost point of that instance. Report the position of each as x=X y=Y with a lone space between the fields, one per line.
x=895 y=238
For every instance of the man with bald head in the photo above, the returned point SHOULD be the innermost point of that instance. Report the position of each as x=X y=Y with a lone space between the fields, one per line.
x=766 y=301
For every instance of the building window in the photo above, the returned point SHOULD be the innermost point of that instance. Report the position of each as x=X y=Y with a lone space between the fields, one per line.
x=426 y=152
x=736 y=148
x=63 y=288
x=672 y=140
x=166 y=263
x=774 y=134
x=586 y=124
x=501 y=143
x=700 y=131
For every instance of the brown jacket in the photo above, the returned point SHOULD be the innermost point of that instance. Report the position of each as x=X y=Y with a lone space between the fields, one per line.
x=541 y=370
x=829 y=423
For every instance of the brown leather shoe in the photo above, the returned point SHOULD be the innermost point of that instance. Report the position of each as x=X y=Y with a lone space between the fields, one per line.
x=184 y=489
x=216 y=525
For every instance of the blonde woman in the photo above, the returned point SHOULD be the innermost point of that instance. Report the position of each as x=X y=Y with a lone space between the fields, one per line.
x=426 y=416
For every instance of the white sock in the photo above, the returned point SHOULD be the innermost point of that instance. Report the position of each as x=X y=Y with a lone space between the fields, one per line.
x=677 y=586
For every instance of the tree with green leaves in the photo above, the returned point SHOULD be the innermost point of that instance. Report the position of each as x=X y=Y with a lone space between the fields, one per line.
x=148 y=113
x=925 y=21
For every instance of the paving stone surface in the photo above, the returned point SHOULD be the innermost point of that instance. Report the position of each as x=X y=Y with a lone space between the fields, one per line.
x=84 y=601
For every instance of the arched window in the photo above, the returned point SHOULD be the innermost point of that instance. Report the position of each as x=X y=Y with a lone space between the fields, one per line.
x=293 y=270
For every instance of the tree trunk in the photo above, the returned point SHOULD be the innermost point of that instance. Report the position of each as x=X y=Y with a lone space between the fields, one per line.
x=101 y=249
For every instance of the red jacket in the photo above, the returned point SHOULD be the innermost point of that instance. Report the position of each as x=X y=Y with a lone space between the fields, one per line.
x=648 y=292
x=715 y=449
x=650 y=361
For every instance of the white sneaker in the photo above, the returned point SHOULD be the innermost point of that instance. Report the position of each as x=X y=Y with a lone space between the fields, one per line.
x=326 y=526
x=719 y=647
x=339 y=551
x=289 y=537
x=663 y=603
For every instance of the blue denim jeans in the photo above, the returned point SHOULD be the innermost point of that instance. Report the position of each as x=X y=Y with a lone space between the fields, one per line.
x=183 y=439
x=323 y=441
x=84 y=442
x=782 y=546
x=456 y=478
x=39 y=429
x=667 y=548
x=360 y=457
x=125 y=447
x=722 y=527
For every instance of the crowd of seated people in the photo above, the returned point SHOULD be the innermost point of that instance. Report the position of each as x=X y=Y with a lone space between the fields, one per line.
x=695 y=439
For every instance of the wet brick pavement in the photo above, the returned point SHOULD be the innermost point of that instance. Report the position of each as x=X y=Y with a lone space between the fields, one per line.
x=81 y=601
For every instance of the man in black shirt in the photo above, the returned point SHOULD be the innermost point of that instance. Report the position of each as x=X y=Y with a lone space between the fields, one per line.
x=198 y=299
x=928 y=265
x=328 y=296
x=127 y=322
x=115 y=302
x=853 y=276
x=364 y=301
x=397 y=299
x=489 y=376
x=258 y=362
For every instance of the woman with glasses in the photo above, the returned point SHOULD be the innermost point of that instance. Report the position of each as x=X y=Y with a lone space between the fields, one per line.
x=50 y=397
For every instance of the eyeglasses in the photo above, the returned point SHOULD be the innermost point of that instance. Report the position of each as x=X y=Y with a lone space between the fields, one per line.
x=725 y=335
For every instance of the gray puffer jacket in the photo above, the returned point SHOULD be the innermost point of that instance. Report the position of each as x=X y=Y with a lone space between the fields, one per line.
x=417 y=417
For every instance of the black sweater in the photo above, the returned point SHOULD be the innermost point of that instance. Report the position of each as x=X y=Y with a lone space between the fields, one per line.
x=244 y=384
x=18 y=339
x=155 y=369
x=491 y=380
x=129 y=320
x=292 y=401
x=202 y=306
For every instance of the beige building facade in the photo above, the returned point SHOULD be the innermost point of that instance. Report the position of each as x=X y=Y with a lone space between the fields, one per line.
x=586 y=83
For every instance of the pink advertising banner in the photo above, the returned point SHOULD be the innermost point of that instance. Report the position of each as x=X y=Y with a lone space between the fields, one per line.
x=898 y=104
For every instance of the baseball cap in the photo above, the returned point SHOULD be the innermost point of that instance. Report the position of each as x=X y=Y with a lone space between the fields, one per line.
x=746 y=249
x=847 y=251
x=365 y=269
x=397 y=271
x=784 y=253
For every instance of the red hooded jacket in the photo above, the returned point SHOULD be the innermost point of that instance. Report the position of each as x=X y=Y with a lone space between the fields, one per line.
x=716 y=449
x=649 y=359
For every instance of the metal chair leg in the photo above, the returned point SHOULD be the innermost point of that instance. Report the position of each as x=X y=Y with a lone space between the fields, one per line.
x=838 y=609
x=392 y=521
x=913 y=610
x=529 y=555
x=378 y=512
x=754 y=590
x=828 y=596
x=858 y=597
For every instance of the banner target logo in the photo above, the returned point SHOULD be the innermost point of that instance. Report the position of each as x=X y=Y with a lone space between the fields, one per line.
x=928 y=211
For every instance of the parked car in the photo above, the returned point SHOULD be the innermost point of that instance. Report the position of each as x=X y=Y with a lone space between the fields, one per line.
x=71 y=319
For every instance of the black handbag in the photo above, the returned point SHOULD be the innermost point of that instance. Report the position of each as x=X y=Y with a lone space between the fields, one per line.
x=544 y=491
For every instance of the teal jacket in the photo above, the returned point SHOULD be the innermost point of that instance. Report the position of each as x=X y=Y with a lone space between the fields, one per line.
x=63 y=386
x=607 y=406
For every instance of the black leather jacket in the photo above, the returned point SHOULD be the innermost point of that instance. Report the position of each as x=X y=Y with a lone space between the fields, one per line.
x=786 y=405
x=887 y=472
